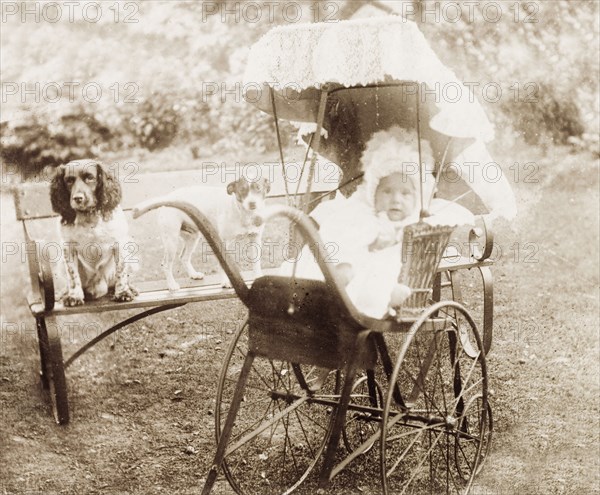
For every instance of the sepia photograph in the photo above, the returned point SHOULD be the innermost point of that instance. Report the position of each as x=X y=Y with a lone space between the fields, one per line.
x=313 y=246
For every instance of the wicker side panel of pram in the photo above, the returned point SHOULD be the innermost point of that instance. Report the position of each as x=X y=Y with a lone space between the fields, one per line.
x=422 y=248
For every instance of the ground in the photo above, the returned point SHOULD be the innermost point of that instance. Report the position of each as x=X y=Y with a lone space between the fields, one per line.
x=143 y=402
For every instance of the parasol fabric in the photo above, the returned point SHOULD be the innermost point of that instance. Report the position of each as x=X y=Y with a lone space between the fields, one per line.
x=297 y=60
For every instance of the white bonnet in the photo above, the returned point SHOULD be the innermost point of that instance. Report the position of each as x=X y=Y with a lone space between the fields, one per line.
x=392 y=151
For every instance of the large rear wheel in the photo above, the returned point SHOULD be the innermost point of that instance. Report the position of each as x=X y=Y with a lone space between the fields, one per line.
x=281 y=427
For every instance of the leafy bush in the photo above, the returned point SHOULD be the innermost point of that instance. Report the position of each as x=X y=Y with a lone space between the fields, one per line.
x=535 y=46
x=547 y=115
x=173 y=51
x=155 y=123
x=31 y=144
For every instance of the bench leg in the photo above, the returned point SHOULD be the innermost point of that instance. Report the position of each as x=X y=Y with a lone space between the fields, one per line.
x=43 y=345
x=53 y=369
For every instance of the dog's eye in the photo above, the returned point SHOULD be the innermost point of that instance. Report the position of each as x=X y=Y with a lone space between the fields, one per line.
x=69 y=180
x=90 y=178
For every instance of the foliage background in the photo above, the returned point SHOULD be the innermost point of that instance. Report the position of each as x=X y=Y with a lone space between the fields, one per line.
x=158 y=75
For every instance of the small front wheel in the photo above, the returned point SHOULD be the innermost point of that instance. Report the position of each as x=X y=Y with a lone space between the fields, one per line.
x=364 y=413
x=470 y=438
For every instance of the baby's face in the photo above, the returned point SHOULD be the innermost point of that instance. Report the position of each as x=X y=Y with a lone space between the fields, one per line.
x=395 y=195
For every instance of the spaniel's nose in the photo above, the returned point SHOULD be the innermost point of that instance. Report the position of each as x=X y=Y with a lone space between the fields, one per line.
x=78 y=198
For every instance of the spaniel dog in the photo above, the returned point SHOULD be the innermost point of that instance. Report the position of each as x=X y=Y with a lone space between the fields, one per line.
x=96 y=245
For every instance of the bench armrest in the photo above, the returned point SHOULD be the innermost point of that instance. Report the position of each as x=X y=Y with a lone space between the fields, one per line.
x=40 y=274
x=480 y=234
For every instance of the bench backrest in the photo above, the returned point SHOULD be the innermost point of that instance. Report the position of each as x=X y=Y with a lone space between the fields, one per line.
x=32 y=200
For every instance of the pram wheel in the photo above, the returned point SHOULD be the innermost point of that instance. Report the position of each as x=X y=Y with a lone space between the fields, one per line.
x=280 y=429
x=469 y=435
x=434 y=440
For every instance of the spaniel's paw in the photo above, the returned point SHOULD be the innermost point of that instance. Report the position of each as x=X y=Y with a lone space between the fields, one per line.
x=125 y=295
x=70 y=300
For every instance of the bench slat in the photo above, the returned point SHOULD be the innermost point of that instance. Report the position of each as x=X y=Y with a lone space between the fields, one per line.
x=208 y=289
x=154 y=293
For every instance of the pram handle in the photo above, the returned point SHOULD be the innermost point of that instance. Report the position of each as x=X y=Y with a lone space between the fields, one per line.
x=308 y=230
x=214 y=240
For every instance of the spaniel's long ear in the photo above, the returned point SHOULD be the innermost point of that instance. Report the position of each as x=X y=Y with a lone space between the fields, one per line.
x=108 y=192
x=60 y=196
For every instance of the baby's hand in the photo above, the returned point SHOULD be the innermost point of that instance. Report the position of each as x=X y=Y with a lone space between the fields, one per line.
x=400 y=293
x=382 y=242
x=345 y=273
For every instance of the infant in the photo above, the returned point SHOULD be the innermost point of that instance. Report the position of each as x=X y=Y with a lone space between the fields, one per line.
x=363 y=233
x=395 y=200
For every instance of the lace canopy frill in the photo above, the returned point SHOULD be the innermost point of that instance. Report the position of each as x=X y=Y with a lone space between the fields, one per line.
x=299 y=58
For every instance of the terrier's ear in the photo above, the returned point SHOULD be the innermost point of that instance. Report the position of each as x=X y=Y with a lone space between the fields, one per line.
x=231 y=187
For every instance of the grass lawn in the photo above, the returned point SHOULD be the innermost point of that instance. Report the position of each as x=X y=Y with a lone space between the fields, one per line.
x=143 y=400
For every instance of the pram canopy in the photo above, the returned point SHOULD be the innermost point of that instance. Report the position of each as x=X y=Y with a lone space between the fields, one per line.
x=378 y=72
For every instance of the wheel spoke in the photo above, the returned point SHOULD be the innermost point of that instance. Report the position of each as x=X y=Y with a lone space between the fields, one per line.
x=424 y=458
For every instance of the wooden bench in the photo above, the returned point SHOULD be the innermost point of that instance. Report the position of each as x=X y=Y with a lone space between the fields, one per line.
x=40 y=227
x=34 y=211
